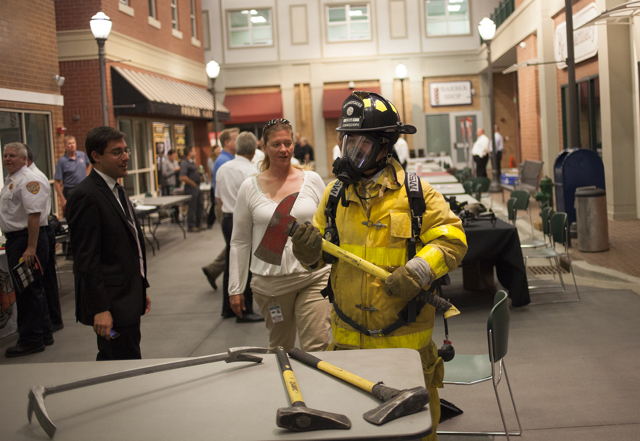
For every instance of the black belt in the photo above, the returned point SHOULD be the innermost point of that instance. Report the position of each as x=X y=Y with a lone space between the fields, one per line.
x=25 y=232
x=227 y=214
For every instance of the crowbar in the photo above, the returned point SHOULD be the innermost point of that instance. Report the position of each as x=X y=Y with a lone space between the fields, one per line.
x=395 y=403
x=298 y=416
x=38 y=393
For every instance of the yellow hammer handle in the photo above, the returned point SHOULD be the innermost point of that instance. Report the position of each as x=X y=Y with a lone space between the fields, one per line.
x=354 y=260
x=346 y=376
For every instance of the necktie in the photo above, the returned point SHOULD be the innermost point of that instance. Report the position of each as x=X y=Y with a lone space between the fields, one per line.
x=122 y=195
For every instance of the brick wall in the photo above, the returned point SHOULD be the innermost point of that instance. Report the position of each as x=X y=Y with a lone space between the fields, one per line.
x=529 y=102
x=506 y=115
x=29 y=28
x=75 y=15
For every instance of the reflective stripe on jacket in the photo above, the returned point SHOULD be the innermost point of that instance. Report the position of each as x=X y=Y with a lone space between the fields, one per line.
x=381 y=237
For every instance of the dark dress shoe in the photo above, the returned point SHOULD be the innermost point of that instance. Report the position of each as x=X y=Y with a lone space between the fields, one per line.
x=19 y=350
x=48 y=341
x=57 y=327
x=250 y=318
x=210 y=277
x=228 y=314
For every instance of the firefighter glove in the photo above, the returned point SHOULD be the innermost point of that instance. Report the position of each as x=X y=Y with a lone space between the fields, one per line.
x=407 y=281
x=307 y=244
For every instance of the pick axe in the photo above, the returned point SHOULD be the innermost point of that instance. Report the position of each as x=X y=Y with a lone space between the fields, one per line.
x=38 y=393
x=283 y=225
x=395 y=403
x=299 y=417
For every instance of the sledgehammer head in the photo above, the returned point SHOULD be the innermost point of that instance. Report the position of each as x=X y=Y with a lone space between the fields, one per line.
x=405 y=403
x=300 y=418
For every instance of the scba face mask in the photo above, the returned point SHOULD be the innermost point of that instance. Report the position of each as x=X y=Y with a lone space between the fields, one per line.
x=359 y=154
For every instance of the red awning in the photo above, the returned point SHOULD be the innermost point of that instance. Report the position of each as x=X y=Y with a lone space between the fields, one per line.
x=253 y=108
x=332 y=100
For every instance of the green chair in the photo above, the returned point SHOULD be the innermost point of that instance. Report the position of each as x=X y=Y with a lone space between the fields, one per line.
x=468 y=187
x=474 y=369
x=559 y=230
x=545 y=214
x=511 y=211
x=522 y=203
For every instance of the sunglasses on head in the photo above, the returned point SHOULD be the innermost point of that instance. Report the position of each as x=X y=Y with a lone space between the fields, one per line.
x=273 y=122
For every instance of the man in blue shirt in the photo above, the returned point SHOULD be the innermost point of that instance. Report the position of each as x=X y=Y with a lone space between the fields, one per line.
x=71 y=169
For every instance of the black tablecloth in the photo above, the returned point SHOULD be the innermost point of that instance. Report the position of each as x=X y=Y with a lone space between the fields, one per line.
x=499 y=245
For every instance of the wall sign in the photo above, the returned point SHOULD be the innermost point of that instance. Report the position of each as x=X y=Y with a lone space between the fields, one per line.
x=452 y=93
x=585 y=40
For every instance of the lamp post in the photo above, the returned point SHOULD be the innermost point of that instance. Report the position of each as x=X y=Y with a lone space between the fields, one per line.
x=213 y=70
x=100 y=27
x=487 y=29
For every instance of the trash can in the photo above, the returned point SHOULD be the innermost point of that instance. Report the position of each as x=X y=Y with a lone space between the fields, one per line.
x=591 y=213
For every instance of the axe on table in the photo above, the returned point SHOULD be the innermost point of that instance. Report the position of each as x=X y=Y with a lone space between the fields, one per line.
x=283 y=225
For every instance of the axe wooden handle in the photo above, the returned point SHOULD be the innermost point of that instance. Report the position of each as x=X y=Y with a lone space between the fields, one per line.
x=354 y=260
x=368 y=267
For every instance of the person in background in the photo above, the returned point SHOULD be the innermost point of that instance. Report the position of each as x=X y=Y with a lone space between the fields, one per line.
x=402 y=149
x=304 y=152
x=289 y=295
x=50 y=277
x=228 y=180
x=499 y=148
x=213 y=155
x=170 y=172
x=71 y=169
x=480 y=153
x=190 y=175
x=336 y=148
x=24 y=205
x=258 y=157
x=110 y=261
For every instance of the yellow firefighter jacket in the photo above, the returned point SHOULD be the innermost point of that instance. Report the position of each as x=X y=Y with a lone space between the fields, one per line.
x=379 y=232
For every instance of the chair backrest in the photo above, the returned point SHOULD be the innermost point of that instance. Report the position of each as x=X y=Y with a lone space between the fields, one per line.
x=468 y=187
x=531 y=172
x=522 y=197
x=485 y=183
x=546 y=214
x=511 y=211
x=558 y=225
x=498 y=326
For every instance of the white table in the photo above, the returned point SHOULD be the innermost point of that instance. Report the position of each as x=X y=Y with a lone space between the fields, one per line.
x=449 y=188
x=217 y=401
x=440 y=179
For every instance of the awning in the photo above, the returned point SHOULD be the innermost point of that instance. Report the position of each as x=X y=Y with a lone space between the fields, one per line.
x=138 y=93
x=253 y=107
x=618 y=14
x=332 y=100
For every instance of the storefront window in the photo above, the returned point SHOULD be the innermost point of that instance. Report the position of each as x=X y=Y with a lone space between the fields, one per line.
x=33 y=129
x=588 y=95
x=139 y=180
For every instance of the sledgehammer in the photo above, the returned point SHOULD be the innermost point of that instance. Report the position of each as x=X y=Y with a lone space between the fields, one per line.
x=299 y=417
x=396 y=403
x=38 y=393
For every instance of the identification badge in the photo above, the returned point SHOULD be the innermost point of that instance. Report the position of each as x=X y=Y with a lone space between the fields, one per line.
x=276 y=313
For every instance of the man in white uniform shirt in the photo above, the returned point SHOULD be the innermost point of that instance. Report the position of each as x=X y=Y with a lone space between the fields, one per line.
x=499 y=148
x=24 y=205
x=229 y=177
x=480 y=152
x=402 y=149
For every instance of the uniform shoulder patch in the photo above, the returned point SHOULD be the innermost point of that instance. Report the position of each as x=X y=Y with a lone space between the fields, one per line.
x=33 y=187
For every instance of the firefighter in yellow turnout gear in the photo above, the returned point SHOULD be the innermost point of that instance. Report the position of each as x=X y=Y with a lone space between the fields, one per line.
x=373 y=220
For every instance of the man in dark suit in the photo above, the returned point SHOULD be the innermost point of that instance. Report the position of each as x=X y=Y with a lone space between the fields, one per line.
x=110 y=263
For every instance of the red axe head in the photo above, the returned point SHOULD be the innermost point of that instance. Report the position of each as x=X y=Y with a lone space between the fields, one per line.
x=281 y=226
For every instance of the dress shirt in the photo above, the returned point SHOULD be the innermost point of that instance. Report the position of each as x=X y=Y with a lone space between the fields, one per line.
x=23 y=194
x=225 y=156
x=44 y=185
x=499 y=142
x=402 y=149
x=481 y=146
x=258 y=159
x=229 y=178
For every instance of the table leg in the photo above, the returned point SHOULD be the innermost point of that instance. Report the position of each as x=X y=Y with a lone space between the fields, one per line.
x=153 y=231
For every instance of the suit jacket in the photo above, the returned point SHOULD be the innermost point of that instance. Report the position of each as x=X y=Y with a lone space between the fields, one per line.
x=106 y=261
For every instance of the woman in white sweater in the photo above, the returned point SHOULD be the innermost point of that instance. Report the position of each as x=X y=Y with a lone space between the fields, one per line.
x=288 y=295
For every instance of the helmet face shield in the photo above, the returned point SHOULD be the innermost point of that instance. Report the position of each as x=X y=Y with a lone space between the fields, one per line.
x=361 y=149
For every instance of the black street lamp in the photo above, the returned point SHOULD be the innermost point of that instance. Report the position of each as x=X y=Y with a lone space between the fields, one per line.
x=213 y=70
x=101 y=27
x=487 y=29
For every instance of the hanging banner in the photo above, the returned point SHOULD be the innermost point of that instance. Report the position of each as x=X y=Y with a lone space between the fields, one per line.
x=179 y=134
x=585 y=40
